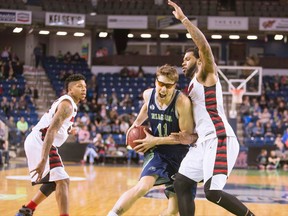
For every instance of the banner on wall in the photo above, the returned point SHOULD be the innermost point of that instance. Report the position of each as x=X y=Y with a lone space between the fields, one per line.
x=15 y=16
x=127 y=22
x=170 y=22
x=273 y=24
x=65 y=20
x=227 y=23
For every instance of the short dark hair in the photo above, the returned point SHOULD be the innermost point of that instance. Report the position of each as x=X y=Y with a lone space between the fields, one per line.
x=73 y=78
x=195 y=51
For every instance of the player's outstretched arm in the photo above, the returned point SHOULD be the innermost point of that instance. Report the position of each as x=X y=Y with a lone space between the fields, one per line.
x=198 y=38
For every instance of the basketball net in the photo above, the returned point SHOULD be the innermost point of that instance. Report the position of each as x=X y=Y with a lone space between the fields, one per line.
x=237 y=95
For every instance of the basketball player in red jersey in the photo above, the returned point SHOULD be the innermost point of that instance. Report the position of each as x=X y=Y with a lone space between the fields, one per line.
x=44 y=162
x=217 y=148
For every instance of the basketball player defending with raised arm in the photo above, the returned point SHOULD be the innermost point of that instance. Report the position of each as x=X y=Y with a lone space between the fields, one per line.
x=217 y=148
x=167 y=110
x=44 y=162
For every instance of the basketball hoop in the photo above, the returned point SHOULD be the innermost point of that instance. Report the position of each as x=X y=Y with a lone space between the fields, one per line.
x=237 y=95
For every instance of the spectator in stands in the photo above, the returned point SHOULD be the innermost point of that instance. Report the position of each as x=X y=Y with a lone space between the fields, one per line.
x=102 y=100
x=35 y=95
x=140 y=72
x=256 y=110
x=113 y=114
x=132 y=154
x=111 y=146
x=22 y=103
x=76 y=57
x=258 y=130
x=38 y=54
x=60 y=55
x=113 y=100
x=249 y=130
x=67 y=57
x=27 y=90
x=245 y=106
x=106 y=127
x=101 y=148
x=93 y=106
x=4 y=151
x=93 y=131
x=5 y=54
x=265 y=116
x=91 y=152
x=273 y=160
x=279 y=129
x=103 y=112
x=84 y=106
x=5 y=105
x=84 y=135
x=262 y=102
x=285 y=138
x=85 y=119
x=14 y=91
x=282 y=107
x=115 y=127
x=22 y=126
x=268 y=130
x=127 y=101
x=124 y=126
x=262 y=159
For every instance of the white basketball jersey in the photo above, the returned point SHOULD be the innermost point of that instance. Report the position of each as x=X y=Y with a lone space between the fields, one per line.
x=46 y=120
x=209 y=115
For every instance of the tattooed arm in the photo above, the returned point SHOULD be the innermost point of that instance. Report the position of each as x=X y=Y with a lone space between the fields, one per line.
x=198 y=38
x=64 y=110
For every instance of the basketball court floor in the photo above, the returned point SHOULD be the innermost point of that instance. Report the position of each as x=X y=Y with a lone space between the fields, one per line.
x=95 y=189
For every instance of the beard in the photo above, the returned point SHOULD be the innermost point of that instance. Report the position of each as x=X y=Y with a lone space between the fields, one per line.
x=189 y=73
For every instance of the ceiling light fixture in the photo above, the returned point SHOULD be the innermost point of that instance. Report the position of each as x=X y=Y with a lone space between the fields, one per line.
x=130 y=35
x=164 y=35
x=103 y=34
x=278 y=37
x=145 y=35
x=17 y=30
x=216 y=36
x=44 y=32
x=61 y=33
x=234 y=37
x=252 y=37
x=79 y=34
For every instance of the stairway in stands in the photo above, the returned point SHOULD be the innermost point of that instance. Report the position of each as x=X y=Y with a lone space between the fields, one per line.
x=39 y=80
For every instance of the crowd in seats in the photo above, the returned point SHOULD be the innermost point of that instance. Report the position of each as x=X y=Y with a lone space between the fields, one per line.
x=16 y=97
x=265 y=118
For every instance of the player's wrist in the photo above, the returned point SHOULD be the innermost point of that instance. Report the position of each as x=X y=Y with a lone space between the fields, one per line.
x=183 y=19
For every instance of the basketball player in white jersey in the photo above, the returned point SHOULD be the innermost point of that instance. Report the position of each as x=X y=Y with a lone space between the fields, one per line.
x=217 y=148
x=44 y=162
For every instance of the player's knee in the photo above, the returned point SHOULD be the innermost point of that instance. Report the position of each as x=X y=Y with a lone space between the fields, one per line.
x=212 y=195
x=48 y=188
x=63 y=183
x=182 y=185
x=142 y=189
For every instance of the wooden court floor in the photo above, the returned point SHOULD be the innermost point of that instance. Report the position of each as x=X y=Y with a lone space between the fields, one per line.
x=95 y=189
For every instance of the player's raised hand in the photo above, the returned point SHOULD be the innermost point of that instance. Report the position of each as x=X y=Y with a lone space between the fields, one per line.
x=178 y=13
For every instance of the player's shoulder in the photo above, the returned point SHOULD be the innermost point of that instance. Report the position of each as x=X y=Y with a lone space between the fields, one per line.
x=182 y=99
x=147 y=93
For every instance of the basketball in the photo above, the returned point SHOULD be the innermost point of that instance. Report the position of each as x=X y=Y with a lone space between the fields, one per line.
x=136 y=133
